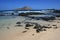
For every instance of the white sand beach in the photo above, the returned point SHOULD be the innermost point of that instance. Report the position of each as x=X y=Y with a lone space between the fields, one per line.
x=10 y=32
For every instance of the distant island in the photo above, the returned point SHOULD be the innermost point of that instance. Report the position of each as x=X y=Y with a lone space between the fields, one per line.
x=26 y=10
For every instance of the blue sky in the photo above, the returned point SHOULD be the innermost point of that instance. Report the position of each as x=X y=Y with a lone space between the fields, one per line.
x=35 y=4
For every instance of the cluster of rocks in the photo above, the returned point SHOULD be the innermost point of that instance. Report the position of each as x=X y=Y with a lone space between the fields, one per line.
x=49 y=18
x=36 y=26
x=28 y=25
x=40 y=28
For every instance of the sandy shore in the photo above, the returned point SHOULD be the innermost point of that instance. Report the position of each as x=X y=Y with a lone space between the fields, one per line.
x=16 y=33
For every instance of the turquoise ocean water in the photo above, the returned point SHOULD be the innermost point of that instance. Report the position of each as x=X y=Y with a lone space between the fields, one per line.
x=7 y=20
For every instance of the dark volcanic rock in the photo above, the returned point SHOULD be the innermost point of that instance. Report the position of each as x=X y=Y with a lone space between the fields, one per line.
x=48 y=18
x=28 y=25
x=37 y=26
x=54 y=25
x=8 y=28
x=40 y=28
x=46 y=27
x=26 y=28
x=24 y=31
x=37 y=31
x=33 y=34
x=48 y=24
x=18 y=23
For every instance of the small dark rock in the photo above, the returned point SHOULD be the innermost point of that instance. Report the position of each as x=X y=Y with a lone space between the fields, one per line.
x=18 y=23
x=8 y=28
x=49 y=27
x=37 y=31
x=48 y=24
x=26 y=28
x=32 y=34
x=44 y=29
x=54 y=25
x=35 y=27
x=28 y=25
x=32 y=17
x=24 y=31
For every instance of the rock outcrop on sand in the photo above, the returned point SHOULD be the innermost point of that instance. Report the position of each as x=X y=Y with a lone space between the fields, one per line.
x=37 y=26
x=18 y=23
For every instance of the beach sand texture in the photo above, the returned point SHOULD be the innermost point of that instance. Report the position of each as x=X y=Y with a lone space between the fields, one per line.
x=10 y=32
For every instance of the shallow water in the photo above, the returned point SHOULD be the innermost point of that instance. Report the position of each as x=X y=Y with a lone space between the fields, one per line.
x=7 y=20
